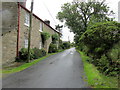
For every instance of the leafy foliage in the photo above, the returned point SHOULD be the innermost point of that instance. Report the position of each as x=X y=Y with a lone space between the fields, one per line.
x=39 y=53
x=101 y=42
x=100 y=37
x=66 y=45
x=55 y=38
x=77 y=15
x=35 y=53
x=59 y=27
x=61 y=47
x=52 y=48
x=23 y=54
x=45 y=36
x=114 y=53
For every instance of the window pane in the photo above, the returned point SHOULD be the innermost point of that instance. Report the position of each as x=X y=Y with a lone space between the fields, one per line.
x=41 y=26
x=26 y=43
x=27 y=18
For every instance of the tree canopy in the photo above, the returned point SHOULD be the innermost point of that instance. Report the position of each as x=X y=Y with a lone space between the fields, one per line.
x=77 y=15
x=101 y=37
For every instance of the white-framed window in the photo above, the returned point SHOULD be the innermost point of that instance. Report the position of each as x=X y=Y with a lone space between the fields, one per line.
x=41 y=27
x=27 y=19
x=40 y=45
x=26 y=43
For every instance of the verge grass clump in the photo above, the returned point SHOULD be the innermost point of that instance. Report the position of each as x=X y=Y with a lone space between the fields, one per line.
x=95 y=78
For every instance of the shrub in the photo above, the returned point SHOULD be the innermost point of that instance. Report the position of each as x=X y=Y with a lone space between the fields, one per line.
x=39 y=53
x=23 y=54
x=43 y=52
x=35 y=53
x=61 y=46
x=66 y=45
x=114 y=56
x=55 y=38
x=52 y=48
x=105 y=66
x=114 y=53
x=103 y=63
x=72 y=44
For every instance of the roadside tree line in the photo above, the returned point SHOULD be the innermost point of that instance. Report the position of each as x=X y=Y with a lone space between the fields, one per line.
x=96 y=33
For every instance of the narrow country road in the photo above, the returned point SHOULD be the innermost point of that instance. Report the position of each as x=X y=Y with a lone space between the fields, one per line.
x=63 y=70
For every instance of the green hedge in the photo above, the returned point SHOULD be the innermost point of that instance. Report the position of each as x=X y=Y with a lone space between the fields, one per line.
x=101 y=42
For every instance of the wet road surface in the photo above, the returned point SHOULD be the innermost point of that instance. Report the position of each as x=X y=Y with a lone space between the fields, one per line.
x=63 y=70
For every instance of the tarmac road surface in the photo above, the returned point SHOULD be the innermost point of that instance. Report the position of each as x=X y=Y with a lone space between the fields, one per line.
x=63 y=70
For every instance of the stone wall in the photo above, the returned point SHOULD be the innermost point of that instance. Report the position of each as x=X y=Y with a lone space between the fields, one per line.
x=9 y=17
x=9 y=31
x=35 y=33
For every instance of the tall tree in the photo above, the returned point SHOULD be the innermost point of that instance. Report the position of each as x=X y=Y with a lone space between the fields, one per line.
x=59 y=27
x=77 y=15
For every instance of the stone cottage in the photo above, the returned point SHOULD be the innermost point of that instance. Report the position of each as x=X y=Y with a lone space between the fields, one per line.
x=15 y=27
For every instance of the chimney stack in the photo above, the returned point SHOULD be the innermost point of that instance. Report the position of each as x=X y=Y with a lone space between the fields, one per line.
x=47 y=22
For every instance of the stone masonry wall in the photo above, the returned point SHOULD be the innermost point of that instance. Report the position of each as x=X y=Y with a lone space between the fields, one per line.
x=35 y=33
x=9 y=31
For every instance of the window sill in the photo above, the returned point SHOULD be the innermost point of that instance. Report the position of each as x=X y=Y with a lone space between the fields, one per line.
x=40 y=30
x=26 y=24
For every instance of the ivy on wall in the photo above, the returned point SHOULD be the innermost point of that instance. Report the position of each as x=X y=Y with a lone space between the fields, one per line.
x=45 y=36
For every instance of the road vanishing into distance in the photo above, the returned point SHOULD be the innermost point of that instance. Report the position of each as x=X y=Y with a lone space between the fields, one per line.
x=62 y=70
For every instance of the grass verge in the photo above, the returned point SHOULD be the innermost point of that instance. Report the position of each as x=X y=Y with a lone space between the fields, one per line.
x=24 y=66
x=94 y=78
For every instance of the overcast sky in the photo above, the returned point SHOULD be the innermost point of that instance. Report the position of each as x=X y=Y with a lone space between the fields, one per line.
x=48 y=9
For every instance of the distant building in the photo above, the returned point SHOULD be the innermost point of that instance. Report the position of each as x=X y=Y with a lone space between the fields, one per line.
x=119 y=11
